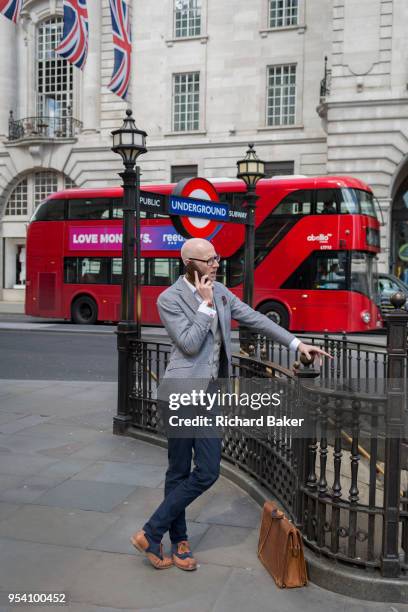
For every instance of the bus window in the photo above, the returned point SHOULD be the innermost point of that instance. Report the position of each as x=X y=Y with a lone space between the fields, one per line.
x=116 y=267
x=93 y=270
x=86 y=270
x=357 y=201
x=163 y=272
x=116 y=270
x=331 y=271
x=50 y=210
x=349 y=202
x=117 y=209
x=363 y=273
x=97 y=208
x=366 y=202
x=326 y=203
x=159 y=272
x=320 y=271
x=71 y=270
x=295 y=203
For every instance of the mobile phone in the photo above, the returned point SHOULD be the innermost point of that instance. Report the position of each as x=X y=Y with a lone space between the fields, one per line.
x=190 y=269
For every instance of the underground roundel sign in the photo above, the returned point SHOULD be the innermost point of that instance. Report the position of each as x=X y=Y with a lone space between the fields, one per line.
x=196 y=226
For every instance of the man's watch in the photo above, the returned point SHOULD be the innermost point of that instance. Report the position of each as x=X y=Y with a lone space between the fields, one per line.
x=210 y=304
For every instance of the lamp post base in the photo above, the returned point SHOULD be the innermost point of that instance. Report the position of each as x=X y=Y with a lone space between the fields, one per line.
x=121 y=424
x=128 y=332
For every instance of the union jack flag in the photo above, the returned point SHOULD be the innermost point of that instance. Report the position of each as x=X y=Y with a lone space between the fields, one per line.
x=122 y=43
x=11 y=9
x=74 y=43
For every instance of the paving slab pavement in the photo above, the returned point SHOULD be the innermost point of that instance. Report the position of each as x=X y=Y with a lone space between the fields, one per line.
x=11 y=307
x=71 y=494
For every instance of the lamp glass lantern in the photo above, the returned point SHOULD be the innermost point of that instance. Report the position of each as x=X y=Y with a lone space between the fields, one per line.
x=128 y=141
x=251 y=168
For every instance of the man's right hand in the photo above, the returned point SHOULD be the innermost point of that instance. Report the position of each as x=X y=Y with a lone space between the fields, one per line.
x=204 y=287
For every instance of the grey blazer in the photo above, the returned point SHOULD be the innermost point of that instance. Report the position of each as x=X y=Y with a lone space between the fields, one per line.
x=190 y=330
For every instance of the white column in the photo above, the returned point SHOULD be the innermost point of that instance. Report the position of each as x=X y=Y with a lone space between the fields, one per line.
x=7 y=73
x=91 y=88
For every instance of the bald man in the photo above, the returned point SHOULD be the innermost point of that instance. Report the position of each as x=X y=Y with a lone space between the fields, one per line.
x=196 y=312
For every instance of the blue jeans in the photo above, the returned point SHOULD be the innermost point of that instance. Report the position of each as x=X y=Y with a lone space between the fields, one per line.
x=182 y=486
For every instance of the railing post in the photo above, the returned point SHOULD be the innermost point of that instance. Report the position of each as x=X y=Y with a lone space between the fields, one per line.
x=11 y=126
x=301 y=445
x=396 y=385
x=69 y=130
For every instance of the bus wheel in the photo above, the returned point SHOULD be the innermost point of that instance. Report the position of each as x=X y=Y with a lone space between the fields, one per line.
x=276 y=312
x=84 y=311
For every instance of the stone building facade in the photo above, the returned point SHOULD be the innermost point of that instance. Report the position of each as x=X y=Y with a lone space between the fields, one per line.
x=208 y=77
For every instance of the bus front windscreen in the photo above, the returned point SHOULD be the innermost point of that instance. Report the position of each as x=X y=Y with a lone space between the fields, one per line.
x=363 y=269
x=357 y=201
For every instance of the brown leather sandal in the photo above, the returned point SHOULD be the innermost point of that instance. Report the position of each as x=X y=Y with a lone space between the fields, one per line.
x=141 y=543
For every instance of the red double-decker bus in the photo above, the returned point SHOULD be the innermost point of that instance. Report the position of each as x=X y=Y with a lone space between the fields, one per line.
x=315 y=245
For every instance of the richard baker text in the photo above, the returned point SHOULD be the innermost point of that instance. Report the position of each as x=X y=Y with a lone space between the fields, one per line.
x=223 y=420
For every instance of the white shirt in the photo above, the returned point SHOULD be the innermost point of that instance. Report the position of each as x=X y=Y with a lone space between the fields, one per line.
x=212 y=312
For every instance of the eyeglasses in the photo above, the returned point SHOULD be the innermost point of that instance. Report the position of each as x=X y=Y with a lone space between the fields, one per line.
x=210 y=262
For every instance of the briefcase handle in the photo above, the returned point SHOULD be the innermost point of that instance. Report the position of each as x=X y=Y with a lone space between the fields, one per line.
x=277 y=514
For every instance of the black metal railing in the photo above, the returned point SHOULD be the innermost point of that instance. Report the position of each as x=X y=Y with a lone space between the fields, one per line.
x=345 y=483
x=343 y=505
x=362 y=361
x=63 y=126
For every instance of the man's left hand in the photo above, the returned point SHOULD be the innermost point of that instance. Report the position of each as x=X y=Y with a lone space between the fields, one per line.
x=313 y=352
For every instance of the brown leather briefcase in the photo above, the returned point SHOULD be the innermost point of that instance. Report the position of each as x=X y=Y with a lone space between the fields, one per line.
x=280 y=548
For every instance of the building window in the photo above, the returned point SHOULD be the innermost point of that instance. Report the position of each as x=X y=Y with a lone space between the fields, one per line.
x=180 y=172
x=45 y=183
x=279 y=168
x=186 y=102
x=17 y=202
x=281 y=108
x=283 y=13
x=31 y=191
x=187 y=18
x=69 y=183
x=54 y=81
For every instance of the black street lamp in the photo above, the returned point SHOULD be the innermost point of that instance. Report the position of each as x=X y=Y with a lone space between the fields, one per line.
x=250 y=170
x=129 y=142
